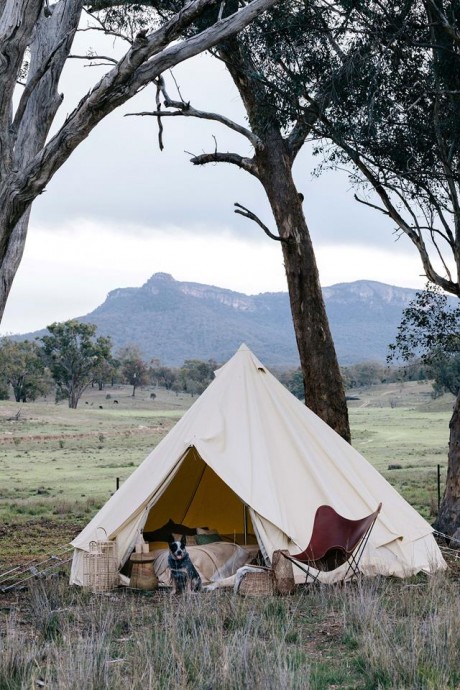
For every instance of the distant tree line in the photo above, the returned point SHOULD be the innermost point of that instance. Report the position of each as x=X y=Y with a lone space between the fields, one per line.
x=71 y=357
x=362 y=374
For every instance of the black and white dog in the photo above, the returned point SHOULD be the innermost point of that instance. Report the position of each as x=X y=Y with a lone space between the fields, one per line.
x=183 y=573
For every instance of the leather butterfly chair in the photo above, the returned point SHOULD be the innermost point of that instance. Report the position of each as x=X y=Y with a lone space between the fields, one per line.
x=335 y=540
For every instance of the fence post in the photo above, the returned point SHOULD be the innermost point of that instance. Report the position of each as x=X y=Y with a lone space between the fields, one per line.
x=439 y=487
x=118 y=482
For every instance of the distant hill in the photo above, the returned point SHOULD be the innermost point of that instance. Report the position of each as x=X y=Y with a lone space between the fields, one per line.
x=173 y=320
x=364 y=317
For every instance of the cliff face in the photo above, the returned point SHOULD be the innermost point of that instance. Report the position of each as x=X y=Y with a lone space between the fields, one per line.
x=174 y=321
x=369 y=292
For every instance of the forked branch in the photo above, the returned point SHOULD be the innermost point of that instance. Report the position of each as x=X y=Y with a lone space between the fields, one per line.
x=184 y=109
x=242 y=211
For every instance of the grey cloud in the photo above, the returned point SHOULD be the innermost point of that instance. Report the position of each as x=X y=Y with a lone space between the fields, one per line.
x=119 y=175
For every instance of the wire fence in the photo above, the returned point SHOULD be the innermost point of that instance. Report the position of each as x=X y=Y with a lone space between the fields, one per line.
x=16 y=576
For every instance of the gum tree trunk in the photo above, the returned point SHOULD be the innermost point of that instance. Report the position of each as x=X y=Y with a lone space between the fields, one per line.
x=324 y=392
x=448 y=520
x=272 y=165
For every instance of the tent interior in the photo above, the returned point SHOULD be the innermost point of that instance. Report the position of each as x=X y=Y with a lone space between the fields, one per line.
x=197 y=497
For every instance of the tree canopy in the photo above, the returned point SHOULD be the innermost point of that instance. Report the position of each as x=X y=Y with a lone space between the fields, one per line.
x=22 y=367
x=74 y=354
x=430 y=331
x=394 y=116
x=134 y=370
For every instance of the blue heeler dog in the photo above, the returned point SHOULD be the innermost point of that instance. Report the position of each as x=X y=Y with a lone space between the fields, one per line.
x=183 y=572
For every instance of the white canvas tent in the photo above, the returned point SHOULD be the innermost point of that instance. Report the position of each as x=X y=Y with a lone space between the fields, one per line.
x=249 y=455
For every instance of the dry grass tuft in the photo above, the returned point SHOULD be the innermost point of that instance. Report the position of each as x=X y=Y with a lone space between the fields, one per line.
x=407 y=632
x=375 y=634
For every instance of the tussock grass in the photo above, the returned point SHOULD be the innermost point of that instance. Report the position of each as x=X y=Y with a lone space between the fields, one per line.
x=372 y=635
x=69 y=639
x=407 y=633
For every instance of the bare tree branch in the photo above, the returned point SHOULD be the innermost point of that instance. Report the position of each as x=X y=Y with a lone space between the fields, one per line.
x=109 y=60
x=145 y=61
x=247 y=164
x=186 y=110
x=159 y=83
x=242 y=211
x=368 y=203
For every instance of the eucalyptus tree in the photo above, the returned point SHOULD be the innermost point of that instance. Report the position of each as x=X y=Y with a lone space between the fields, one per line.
x=74 y=355
x=429 y=332
x=22 y=368
x=290 y=36
x=133 y=367
x=35 y=42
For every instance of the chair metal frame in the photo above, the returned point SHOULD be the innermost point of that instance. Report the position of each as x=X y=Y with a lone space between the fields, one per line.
x=335 y=540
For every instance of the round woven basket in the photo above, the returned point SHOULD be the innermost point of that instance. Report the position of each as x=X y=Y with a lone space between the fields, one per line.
x=258 y=584
x=283 y=574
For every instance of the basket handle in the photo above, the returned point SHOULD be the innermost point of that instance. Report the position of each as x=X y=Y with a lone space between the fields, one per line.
x=102 y=530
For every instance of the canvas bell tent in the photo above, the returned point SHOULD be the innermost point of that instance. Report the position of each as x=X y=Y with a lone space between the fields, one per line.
x=249 y=458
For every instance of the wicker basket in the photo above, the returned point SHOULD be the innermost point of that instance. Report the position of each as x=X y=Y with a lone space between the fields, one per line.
x=100 y=573
x=256 y=582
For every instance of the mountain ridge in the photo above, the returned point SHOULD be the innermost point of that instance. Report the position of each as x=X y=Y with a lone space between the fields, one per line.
x=177 y=320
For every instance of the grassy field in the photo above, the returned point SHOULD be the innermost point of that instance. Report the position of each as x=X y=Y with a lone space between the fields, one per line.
x=401 y=425
x=375 y=634
x=57 y=466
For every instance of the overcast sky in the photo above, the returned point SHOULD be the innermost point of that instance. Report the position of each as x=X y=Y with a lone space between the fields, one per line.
x=120 y=210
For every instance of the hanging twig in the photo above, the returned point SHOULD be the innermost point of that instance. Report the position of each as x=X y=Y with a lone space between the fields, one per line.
x=160 y=85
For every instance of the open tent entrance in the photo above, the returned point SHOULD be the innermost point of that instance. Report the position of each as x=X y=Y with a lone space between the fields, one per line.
x=197 y=497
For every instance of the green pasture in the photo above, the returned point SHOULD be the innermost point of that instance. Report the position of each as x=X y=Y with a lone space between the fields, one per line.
x=58 y=466
x=414 y=440
x=400 y=425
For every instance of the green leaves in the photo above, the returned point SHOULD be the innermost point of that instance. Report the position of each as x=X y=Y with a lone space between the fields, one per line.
x=22 y=368
x=74 y=354
x=430 y=330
